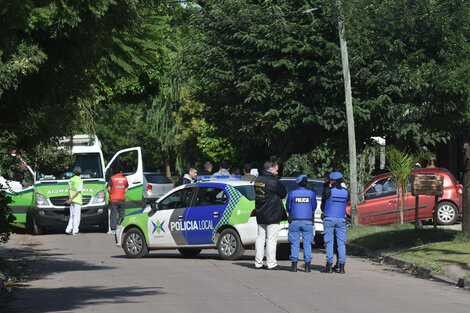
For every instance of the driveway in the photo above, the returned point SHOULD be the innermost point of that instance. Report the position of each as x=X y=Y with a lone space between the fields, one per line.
x=88 y=273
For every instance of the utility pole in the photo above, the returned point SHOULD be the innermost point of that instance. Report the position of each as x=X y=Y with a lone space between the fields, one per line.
x=350 y=119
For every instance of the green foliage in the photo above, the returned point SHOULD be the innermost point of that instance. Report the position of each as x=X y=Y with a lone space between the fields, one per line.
x=216 y=147
x=316 y=163
x=6 y=218
x=123 y=125
x=268 y=77
x=400 y=164
x=60 y=59
x=410 y=68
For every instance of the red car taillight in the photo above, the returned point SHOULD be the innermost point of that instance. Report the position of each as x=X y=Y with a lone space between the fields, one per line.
x=459 y=189
x=149 y=187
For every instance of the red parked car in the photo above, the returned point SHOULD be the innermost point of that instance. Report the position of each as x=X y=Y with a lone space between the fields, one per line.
x=379 y=205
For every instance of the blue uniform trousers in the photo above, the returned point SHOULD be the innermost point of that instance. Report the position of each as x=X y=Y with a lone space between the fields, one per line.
x=306 y=228
x=335 y=226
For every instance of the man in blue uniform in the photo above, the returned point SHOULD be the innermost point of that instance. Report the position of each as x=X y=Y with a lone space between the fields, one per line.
x=334 y=222
x=301 y=205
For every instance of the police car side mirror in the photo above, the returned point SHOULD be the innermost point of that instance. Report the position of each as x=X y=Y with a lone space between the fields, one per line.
x=154 y=206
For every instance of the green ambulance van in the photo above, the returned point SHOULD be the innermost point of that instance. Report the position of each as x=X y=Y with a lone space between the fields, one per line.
x=43 y=204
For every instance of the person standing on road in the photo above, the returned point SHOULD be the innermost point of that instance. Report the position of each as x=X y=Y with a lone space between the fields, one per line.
x=223 y=171
x=334 y=222
x=301 y=205
x=117 y=188
x=75 y=200
x=207 y=171
x=269 y=214
x=247 y=176
x=188 y=178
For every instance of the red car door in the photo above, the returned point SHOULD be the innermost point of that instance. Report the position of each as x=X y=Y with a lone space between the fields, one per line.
x=380 y=203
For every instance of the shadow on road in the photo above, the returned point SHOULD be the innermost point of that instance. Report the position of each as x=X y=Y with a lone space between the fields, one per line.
x=284 y=268
x=176 y=255
x=37 y=263
x=41 y=300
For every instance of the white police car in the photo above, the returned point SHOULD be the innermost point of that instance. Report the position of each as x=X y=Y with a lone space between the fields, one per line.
x=203 y=215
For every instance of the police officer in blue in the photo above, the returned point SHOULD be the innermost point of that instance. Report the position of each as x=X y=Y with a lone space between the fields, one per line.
x=301 y=205
x=334 y=222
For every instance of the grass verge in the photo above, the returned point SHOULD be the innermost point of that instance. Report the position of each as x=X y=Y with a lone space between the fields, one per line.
x=429 y=247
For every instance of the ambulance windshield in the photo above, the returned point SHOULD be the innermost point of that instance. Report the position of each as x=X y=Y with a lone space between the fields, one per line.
x=90 y=164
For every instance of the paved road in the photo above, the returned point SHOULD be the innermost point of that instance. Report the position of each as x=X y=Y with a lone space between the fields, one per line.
x=88 y=273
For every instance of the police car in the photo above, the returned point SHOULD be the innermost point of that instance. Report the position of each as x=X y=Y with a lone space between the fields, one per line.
x=203 y=215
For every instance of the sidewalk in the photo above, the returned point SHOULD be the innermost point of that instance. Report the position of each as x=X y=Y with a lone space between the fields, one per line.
x=457 y=274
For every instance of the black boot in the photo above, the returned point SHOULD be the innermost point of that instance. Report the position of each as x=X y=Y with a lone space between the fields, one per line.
x=307 y=267
x=336 y=267
x=341 y=269
x=294 y=267
x=328 y=268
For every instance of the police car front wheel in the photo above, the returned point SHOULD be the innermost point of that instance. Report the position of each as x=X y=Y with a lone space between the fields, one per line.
x=229 y=245
x=134 y=244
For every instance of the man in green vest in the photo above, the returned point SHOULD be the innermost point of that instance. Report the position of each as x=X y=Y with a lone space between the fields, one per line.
x=75 y=201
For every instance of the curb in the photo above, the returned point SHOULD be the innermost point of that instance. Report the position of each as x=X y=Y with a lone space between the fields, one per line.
x=420 y=271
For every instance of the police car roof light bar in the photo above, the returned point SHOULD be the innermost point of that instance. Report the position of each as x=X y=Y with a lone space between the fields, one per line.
x=213 y=178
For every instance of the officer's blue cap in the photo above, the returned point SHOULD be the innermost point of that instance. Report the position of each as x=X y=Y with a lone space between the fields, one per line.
x=336 y=175
x=299 y=179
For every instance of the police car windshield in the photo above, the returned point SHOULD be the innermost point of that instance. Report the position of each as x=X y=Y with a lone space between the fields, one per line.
x=90 y=164
x=248 y=191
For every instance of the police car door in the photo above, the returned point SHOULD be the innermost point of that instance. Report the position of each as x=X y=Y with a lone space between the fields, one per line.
x=130 y=162
x=208 y=208
x=167 y=227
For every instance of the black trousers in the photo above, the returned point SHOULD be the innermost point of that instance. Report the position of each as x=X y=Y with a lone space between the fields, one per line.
x=116 y=208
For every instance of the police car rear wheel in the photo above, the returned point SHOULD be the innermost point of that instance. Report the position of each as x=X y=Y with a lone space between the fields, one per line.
x=134 y=244
x=229 y=245
x=190 y=253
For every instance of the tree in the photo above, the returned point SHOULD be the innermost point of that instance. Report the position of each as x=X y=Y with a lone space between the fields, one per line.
x=400 y=164
x=267 y=74
x=410 y=67
x=60 y=60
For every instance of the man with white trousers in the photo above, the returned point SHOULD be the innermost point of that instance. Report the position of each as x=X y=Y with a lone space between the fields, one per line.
x=75 y=200
x=269 y=214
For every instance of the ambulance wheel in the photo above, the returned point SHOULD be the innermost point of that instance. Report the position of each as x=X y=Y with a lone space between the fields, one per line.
x=37 y=229
x=229 y=245
x=134 y=244
x=190 y=253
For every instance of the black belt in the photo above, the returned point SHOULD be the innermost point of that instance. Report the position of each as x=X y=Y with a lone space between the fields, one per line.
x=302 y=219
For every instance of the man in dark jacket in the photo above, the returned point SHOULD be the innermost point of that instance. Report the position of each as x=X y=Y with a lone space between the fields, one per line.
x=269 y=214
x=188 y=178
x=207 y=169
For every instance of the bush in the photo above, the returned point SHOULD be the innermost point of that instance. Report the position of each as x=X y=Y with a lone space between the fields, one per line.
x=6 y=218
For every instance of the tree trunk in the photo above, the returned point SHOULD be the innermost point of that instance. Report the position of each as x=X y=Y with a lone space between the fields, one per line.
x=466 y=190
x=167 y=168
x=401 y=200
